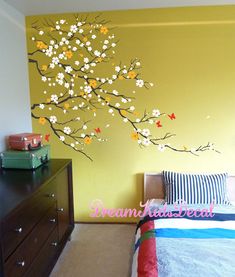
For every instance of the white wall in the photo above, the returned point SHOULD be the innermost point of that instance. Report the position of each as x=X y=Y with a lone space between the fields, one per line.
x=33 y=7
x=14 y=86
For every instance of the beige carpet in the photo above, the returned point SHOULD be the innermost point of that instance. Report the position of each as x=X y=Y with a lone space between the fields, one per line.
x=97 y=250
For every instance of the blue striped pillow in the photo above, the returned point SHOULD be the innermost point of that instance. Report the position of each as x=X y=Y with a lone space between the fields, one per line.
x=195 y=188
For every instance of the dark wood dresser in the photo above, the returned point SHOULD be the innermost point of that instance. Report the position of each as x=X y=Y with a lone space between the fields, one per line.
x=36 y=213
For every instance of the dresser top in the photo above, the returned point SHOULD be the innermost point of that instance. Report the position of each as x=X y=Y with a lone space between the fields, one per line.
x=17 y=185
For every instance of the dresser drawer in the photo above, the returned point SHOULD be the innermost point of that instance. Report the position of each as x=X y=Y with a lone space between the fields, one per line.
x=19 y=224
x=21 y=259
x=42 y=266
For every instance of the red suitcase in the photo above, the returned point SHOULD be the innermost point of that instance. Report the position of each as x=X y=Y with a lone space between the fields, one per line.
x=25 y=141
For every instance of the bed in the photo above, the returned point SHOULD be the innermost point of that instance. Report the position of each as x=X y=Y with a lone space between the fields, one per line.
x=169 y=245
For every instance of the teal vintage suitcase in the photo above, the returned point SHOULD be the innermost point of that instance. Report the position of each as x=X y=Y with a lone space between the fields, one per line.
x=25 y=159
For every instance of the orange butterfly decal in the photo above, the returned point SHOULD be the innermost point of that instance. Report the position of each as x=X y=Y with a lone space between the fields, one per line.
x=172 y=116
x=97 y=130
x=158 y=124
x=47 y=137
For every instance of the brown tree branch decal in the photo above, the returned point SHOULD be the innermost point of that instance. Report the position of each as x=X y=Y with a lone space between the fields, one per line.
x=69 y=57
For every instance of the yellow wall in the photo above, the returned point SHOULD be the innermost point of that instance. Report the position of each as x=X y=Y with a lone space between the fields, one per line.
x=189 y=55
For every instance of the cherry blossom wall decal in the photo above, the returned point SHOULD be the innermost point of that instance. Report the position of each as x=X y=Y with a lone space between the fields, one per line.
x=68 y=57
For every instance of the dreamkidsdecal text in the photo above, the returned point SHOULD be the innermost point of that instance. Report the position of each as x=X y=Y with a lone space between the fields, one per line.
x=179 y=210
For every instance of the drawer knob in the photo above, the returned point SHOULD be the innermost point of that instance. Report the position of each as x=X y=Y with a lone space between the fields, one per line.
x=53 y=220
x=22 y=264
x=19 y=230
x=51 y=195
x=60 y=209
x=54 y=244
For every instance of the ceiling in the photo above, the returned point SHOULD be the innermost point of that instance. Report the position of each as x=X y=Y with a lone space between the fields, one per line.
x=33 y=7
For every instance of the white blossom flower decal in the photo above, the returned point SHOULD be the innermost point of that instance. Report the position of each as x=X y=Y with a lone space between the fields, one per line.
x=156 y=113
x=68 y=69
x=54 y=98
x=53 y=119
x=67 y=130
x=146 y=132
x=146 y=142
x=139 y=83
x=161 y=147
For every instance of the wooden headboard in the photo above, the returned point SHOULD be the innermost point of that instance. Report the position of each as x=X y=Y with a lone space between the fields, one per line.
x=153 y=187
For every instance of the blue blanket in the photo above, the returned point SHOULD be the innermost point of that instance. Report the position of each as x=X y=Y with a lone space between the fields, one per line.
x=186 y=246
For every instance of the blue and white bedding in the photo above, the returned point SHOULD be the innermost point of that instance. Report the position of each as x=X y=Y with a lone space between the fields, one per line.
x=186 y=246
